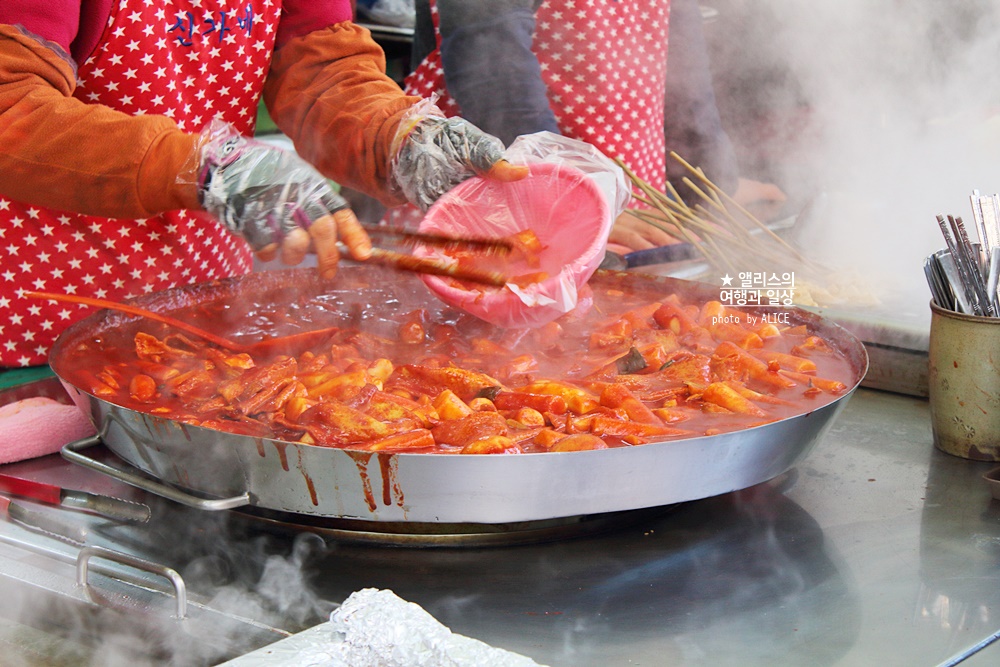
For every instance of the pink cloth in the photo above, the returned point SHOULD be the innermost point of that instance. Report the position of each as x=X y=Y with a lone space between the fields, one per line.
x=39 y=426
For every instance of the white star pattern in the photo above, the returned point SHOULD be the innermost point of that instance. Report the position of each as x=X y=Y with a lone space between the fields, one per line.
x=76 y=254
x=585 y=86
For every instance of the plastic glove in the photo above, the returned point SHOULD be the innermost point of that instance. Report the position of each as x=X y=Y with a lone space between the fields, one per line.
x=274 y=199
x=435 y=154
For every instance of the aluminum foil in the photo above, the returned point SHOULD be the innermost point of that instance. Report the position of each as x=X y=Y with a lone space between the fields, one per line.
x=376 y=628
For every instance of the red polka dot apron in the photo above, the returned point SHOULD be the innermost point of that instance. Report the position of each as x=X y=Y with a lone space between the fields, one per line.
x=189 y=60
x=604 y=64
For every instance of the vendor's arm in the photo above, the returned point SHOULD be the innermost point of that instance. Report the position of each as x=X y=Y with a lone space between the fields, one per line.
x=328 y=91
x=60 y=153
x=49 y=152
x=693 y=127
x=490 y=69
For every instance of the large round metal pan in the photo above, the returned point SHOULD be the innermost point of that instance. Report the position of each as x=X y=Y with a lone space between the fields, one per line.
x=440 y=488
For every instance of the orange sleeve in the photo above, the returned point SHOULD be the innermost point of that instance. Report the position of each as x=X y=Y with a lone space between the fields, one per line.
x=329 y=93
x=64 y=154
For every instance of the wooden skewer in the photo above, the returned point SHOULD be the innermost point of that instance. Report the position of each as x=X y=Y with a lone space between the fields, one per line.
x=660 y=223
x=723 y=226
x=682 y=217
x=674 y=194
x=675 y=215
x=730 y=201
x=649 y=190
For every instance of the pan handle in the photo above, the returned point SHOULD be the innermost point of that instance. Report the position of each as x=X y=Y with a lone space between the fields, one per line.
x=71 y=452
x=87 y=553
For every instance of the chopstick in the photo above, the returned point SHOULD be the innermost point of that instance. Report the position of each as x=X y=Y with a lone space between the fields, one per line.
x=964 y=276
x=969 y=266
x=437 y=267
x=410 y=237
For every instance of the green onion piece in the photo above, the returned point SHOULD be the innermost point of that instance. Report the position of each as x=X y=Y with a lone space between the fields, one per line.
x=631 y=362
x=488 y=392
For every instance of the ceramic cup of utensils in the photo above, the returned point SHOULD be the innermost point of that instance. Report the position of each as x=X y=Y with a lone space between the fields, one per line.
x=964 y=383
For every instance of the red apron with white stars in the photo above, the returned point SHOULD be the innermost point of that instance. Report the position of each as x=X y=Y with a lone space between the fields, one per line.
x=189 y=60
x=604 y=63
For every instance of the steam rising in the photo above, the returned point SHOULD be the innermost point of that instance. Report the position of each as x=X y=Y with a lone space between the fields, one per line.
x=902 y=125
x=900 y=99
x=244 y=590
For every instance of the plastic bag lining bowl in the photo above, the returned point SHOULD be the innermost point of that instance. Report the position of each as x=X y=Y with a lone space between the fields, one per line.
x=563 y=207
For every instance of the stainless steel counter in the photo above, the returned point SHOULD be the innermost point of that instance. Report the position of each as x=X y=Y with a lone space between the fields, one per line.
x=878 y=549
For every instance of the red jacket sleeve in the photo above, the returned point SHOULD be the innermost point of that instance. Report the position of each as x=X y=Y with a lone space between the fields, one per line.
x=329 y=93
x=54 y=20
x=301 y=17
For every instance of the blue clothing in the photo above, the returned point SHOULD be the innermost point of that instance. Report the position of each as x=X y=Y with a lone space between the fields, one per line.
x=494 y=77
x=491 y=72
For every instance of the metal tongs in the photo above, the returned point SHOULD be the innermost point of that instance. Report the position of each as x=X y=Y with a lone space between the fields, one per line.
x=439 y=267
x=52 y=494
x=397 y=260
x=386 y=257
x=963 y=277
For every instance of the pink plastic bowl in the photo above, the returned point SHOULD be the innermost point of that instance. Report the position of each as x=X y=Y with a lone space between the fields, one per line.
x=561 y=205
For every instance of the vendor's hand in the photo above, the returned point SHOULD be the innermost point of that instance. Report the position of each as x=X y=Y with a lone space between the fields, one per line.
x=275 y=200
x=764 y=200
x=630 y=233
x=435 y=154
